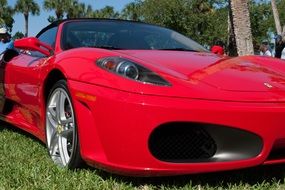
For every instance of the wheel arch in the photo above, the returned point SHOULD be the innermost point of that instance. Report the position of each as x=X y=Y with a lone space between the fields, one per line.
x=54 y=76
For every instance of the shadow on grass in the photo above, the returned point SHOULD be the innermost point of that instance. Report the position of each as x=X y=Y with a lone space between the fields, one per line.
x=257 y=175
x=7 y=126
x=3 y=126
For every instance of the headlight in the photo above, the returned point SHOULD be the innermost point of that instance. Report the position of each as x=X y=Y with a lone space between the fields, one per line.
x=128 y=69
x=131 y=70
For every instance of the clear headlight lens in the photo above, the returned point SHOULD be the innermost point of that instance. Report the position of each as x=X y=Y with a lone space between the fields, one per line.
x=128 y=69
x=131 y=70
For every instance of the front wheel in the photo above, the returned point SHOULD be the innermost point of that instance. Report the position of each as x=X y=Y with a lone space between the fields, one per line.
x=61 y=128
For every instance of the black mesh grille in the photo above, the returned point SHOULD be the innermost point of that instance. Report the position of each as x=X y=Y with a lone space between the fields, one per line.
x=181 y=142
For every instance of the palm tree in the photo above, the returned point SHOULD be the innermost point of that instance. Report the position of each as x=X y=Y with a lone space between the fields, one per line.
x=26 y=7
x=59 y=6
x=231 y=42
x=106 y=12
x=79 y=10
x=6 y=15
x=242 y=27
x=276 y=17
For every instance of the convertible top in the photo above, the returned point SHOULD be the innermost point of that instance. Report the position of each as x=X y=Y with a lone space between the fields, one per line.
x=58 y=22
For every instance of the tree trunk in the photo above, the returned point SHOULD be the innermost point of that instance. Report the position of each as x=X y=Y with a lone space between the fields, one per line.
x=276 y=17
x=26 y=24
x=231 y=46
x=242 y=27
x=59 y=14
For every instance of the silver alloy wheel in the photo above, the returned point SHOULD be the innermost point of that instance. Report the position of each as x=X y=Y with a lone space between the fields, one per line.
x=60 y=125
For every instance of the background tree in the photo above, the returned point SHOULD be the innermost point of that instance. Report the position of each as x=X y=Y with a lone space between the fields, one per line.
x=6 y=15
x=276 y=17
x=88 y=12
x=205 y=20
x=281 y=8
x=242 y=27
x=279 y=11
x=18 y=35
x=231 y=43
x=106 y=12
x=262 y=23
x=79 y=10
x=59 y=6
x=26 y=7
x=167 y=13
x=133 y=11
x=75 y=10
x=202 y=20
x=51 y=19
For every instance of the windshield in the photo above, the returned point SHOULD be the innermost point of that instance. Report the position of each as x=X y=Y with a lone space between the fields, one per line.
x=112 y=34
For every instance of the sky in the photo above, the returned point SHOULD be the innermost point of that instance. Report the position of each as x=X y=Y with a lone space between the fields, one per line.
x=36 y=23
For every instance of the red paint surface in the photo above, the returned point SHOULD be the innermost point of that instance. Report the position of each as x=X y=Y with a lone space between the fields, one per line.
x=114 y=129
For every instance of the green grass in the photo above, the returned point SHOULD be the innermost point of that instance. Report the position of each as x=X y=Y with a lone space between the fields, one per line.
x=24 y=164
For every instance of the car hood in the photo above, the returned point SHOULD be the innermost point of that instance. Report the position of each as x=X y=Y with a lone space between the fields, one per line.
x=244 y=74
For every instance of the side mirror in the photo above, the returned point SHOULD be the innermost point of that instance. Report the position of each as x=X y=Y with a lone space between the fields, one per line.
x=33 y=44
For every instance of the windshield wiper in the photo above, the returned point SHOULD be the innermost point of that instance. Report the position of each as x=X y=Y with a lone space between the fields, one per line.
x=178 y=49
x=107 y=47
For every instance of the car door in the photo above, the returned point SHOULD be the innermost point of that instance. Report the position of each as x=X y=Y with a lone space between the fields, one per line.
x=2 y=91
x=22 y=74
x=5 y=57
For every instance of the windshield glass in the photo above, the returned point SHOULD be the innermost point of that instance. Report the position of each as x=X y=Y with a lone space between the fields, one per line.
x=112 y=34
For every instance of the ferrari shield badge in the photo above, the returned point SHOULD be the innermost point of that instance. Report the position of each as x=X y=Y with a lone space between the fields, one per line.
x=267 y=85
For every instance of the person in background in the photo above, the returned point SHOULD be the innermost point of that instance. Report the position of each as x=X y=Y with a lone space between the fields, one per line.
x=264 y=50
x=5 y=40
x=218 y=48
x=279 y=46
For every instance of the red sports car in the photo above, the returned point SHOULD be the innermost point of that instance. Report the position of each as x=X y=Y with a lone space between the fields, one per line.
x=139 y=99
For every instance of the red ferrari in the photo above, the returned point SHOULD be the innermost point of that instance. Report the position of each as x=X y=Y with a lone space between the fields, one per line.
x=138 y=99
